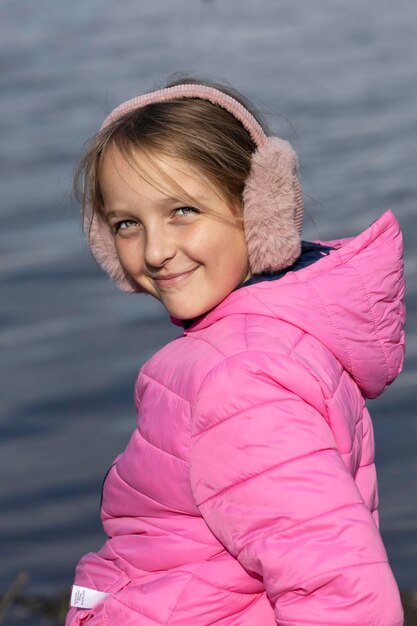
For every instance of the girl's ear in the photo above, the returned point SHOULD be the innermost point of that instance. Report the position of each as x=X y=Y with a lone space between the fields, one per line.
x=273 y=207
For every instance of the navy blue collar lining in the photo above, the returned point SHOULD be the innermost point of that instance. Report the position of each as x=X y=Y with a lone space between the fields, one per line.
x=310 y=252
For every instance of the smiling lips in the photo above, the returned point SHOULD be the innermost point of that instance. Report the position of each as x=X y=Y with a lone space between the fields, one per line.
x=172 y=280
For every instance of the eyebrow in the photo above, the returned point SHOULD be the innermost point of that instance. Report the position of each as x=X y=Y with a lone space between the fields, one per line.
x=116 y=212
x=166 y=201
x=110 y=214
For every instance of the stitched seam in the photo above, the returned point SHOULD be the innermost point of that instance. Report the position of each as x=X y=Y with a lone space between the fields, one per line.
x=336 y=329
x=136 y=610
x=164 y=386
x=105 y=513
x=306 y=367
x=299 y=340
x=250 y=605
x=249 y=408
x=266 y=307
x=317 y=381
x=372 y=313
x=269 y=469
x=182 y=593
x=149 y=497
x=355 y=428
x=174 y=456
x=207 y=342
x=211 y=371
x=211 y=584
x=335 y=569
x=104 y=615
x=304 y=621
x=339 y=382
x=235 y=355
x=136 y=393
x=282 y=531
x=341 y=376
x=92 y=582
x=366 y=465
x=245 y=330
x=183 y=537
x=123 y=575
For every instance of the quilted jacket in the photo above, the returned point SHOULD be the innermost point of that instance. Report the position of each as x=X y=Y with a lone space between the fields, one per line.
x=247 y=495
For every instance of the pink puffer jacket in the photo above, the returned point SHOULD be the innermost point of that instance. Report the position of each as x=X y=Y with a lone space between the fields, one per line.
x=247 y=494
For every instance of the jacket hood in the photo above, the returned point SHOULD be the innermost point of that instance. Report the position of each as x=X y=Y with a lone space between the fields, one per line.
x=352 y=301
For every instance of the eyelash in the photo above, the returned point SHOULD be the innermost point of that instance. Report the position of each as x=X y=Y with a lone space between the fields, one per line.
x=117 y=226
x=190 y=208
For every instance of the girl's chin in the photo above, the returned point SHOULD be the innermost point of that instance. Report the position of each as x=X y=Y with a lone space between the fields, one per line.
x=186 y=303
x=185 y=314
x=187 y=311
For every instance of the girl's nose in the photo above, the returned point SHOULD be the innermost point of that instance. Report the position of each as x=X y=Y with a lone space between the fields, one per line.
x=159 y=247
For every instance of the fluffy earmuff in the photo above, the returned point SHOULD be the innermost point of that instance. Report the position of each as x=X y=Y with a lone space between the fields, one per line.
x=273 y=207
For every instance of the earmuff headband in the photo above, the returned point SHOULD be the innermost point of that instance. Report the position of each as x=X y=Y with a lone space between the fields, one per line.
x=193 y=91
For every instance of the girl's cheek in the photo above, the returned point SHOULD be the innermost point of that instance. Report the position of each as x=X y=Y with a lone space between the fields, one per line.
x=130 y=253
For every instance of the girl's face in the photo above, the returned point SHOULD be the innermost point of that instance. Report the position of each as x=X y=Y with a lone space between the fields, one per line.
x=190 y=257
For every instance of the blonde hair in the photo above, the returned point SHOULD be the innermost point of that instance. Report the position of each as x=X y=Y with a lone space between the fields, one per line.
x=203 y=135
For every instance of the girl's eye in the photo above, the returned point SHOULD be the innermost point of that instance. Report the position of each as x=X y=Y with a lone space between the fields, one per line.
x=185 y=210
x=123 y=225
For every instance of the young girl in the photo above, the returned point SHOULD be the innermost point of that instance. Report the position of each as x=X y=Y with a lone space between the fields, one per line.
x=247 y=494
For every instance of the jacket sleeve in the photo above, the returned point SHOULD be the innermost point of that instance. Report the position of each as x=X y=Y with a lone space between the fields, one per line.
x=271 y=485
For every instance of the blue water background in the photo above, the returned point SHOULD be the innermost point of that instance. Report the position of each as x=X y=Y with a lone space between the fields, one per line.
x=337 y=79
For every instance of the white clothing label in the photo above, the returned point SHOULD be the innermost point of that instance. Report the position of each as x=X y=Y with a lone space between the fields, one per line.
x=85 y=598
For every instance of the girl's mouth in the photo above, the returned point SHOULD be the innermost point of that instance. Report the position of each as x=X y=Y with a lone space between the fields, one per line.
x=172 y=280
